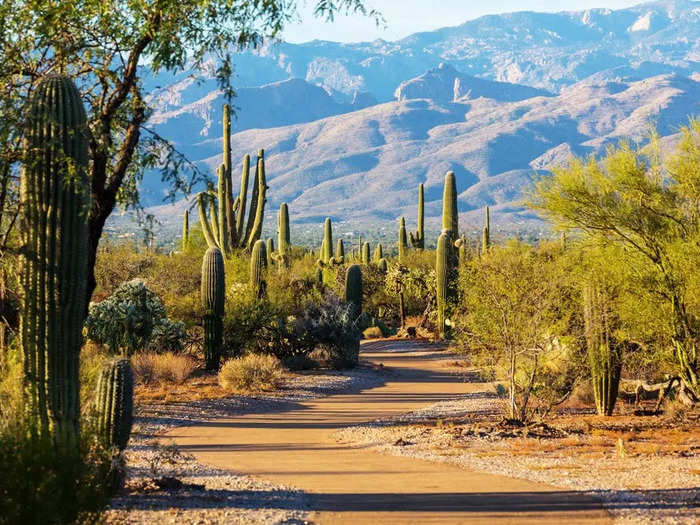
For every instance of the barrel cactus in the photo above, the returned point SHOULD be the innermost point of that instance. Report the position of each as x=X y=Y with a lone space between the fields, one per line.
x=403 y=241
x=418 y=240
x=114 y=403
x=213 y=292
x=55 y=200
x=353 y=289
x=258 y=265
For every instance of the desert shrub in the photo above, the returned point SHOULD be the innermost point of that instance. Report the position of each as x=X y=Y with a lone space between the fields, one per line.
x=118 y=263
x=251 y=373
x=167 y=367
x=373 y=332
x=92 y=357
x=167 y=336
x=126 y=320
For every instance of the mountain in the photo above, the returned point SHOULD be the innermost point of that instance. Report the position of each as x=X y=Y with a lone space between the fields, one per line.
x=367 y=164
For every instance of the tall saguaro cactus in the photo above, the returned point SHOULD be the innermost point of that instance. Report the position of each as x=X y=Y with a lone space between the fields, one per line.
x=258 y=265
x=213 y=293
x=378 y=253
x=366 y=253
x=114 y=402
x=486 y=234
x=418 y=240
x=55 y=201
x=327 y=244
x=224 y=219
x=339 y=252
x=450 y=215
x=283 y=236
x=403 y=242
x=186 y=230
x=353 y=289
x=442 y=276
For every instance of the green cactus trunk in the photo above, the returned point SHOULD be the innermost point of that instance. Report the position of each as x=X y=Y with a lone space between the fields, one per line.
x=258 y=265
x=383 y=266
x=339 y=252
x=327 y=244
x=442 y=278
x=213 y=293
x=283 y=236
x=231 y=226
x=604 y=351
x=403 y=241
x=353 y=289
x=257 y=213
x=222 y=200
x=418 y=240
x=186 y=230
x=54 y=206
x=366 y=259
x=450 y=215
x=378 y=253
x=114 y=403
x=486 y=234
x=270 y=251
x=242 y=201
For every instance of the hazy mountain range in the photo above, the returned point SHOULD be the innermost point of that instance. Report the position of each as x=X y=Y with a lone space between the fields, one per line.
x=350 y=130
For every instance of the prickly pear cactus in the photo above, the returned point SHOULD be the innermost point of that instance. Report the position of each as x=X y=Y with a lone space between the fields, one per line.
x=55 y=201
x=114 y=403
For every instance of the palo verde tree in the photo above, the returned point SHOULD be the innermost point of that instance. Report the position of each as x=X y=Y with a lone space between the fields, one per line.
x=650 y=206
x=109 y=48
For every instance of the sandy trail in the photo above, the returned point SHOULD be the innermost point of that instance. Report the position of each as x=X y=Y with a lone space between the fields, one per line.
x=294 y=446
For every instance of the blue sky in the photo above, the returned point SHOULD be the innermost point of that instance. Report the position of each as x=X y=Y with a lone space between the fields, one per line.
x=409 y=16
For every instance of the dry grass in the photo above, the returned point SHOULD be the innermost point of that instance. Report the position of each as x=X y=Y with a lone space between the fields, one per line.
x=373 y=332
x=162 y=368
x=251 y=373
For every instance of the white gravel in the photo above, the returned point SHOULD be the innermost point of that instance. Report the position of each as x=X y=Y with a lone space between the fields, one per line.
x=212 y=496
x=648 y=489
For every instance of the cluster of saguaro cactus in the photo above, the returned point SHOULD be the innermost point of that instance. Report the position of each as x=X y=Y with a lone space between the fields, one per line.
x=446 y=258
x=604 y=350
x=353 y=289
x=418 y=240
x=213 y=293
x=114 y=402
x=54 y=205
x=223 y=219
x=403 y=240
x=258 y=266
x=486 y=233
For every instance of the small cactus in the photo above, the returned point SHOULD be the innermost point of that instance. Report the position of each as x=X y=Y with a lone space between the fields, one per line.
x=213 y=293
x=418 y=240
x=114 y=403
x=258 y=265
x=283 y=236
x=339 y=253
x=378 y=253
x=353 y=289
x=366 y=254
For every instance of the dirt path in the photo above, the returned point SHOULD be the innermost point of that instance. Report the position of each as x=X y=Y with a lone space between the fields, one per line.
x=294 y=446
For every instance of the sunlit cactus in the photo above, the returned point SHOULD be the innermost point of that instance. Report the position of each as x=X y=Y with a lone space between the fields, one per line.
x=403 y=241
x=213 y=292
x=258 y=266
x=114 y=403
x=353 y=289
x=418 y=240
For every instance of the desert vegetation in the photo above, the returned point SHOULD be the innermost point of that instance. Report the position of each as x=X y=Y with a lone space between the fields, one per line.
x=608 y=304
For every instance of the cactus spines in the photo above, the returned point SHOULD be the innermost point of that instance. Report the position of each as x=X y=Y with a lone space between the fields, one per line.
x=450 y=215
x=383 y=266
x=486 y=234
x=366 y=253
x=114 y=402
x=327 y=244
x=258 y=265
x=378 y=253
x=213 y=293
x=353 y=289
x=283 y=236
x=442 y=277
x=603 y=348
x=403 y=242
x=54 y=205
x=418 y=240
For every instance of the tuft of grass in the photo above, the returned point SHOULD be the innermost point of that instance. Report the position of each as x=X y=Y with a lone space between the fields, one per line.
x=373 y=332
x=150 y=367
x=251 y=373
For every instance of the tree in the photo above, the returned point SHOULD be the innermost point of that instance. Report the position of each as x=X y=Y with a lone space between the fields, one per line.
x=515 y=304
x=650 y=206
x=108 y=48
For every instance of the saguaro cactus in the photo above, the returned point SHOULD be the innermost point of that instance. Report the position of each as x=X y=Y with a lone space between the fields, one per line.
x=353 y=289
x=114 y=402
x=383 y=266
x=378 y=253
x=450 y=215
x=604 y=350
x=366 y=253
x=339 y=253
x=258 y=265
x=403 y=242
x=486 y=234
x=186 y=230
x=270 y=251
x=283 y=236
x=327 y=243
x=442 y=277
x=418 y=240
x=55 y=200
x=213 y=294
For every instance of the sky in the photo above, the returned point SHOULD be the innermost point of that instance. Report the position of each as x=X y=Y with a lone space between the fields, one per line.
x=405 y=17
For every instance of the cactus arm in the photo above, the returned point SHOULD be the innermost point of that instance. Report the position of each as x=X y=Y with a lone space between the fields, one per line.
x=418 y=241
x=204 y=220
x=223 y=211
x=231 y=226
x=253 y=203
x=242 y=197
x=256 y=230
